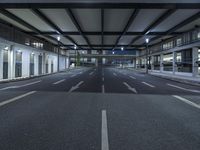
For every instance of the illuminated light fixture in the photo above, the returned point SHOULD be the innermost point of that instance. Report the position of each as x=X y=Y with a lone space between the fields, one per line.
x=82 y=52
x=58 y=38
x=122 y=48
x=6 y=48
x=32 y=53
x=75 y=47
x=113 y=52
x=147 y=40
x=19 y=51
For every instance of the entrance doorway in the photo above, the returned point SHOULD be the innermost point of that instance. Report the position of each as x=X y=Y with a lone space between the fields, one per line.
x=5 y=63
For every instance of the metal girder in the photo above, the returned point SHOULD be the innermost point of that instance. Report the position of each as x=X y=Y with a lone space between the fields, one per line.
x=180 y=25
x=75 y=22
x=164 y=16
x=51 y=24
x=130 y=21
x=102 y=27
x=22 y=22
x=110 y=45
x=106 y=5
x=105 y=33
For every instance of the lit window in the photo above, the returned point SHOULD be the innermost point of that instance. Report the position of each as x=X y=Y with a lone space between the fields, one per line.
x=198 y=35
x=178 y=42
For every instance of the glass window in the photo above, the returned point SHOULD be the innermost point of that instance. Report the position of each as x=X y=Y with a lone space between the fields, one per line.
x=178 y=42
x=178 y=57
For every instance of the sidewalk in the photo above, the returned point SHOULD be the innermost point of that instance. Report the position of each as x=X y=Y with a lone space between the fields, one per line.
x=178 y=78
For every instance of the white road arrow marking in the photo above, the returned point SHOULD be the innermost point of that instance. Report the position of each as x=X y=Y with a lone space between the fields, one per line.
x=76 y=86
x=130 y=88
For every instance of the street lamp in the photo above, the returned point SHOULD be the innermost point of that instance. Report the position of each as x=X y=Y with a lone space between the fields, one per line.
x=147 y=42
x=58 y=39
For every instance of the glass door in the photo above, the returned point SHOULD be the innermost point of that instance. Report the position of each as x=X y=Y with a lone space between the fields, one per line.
x=40 y=64
x=32 y=56
x=18 y=64
x=5 y=63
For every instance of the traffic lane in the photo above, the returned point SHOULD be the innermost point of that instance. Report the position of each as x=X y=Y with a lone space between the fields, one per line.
x=46 y=78
x=6 y=95
x=48 y=83
x=92 y=81
x=165 y=86
x=151 y=122
x=49 y=121
x=113 y=83
x=147 y=86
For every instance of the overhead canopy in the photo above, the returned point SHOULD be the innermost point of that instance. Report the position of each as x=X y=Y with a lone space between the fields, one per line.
x=99 y=24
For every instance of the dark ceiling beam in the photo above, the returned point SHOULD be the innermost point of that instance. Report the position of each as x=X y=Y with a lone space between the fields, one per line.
x=106 y=5
x=51 y=24
x=108 y=45
x=75 y=22
x=102 y=27
x=130 y=21
x=25 y=24
x=180 y=25
x=105 y=33
x=164 y=16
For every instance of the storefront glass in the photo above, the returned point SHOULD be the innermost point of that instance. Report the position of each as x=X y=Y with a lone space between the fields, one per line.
x=18 y=64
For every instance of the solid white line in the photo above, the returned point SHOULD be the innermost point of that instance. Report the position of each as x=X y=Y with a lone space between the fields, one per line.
x=59 y=81
x=104 y=132
x=132 y=77
x=148 y=84
x=103 y=89
x=187 y=101
x=16 y=98
x=102 y=78
x=130 y=88
x=181 y=88
x=19 y=86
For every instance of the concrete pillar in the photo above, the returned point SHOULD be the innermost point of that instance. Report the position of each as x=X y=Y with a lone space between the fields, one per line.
x=1 y=63
x=174 y=62
x=25 y=63
x=194 y=59
x=12 y=62
x=161 y=63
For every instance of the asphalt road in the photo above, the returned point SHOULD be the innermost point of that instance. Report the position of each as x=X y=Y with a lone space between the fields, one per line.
x=99 y=109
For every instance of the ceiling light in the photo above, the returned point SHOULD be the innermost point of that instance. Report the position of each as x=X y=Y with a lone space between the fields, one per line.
x=147 y=40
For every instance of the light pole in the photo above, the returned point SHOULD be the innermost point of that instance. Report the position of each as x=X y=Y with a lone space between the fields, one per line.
x=147 y=50
x=58 y=67
x=75 y=47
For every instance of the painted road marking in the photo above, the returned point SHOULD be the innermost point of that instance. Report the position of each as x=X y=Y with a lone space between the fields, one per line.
x=148 y=84
x=59 y=81
x=114 y=74
x=91 y=73
x=130 y=88
x=104 y=132
x=19 y=86
x=132 y=77
x=181 y=88
x=187 y=101
x=102 y=78
x=75 y=87
x=73 y=75
x=103 y=89
x=16 y=98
